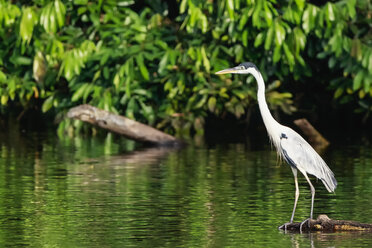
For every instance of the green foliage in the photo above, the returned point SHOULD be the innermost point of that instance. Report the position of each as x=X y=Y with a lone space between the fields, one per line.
x=159 y=70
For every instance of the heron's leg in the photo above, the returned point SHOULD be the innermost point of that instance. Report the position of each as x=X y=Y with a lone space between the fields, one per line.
x=312 y=195
x=312 y=189
x=297 y=194
x=294 y=170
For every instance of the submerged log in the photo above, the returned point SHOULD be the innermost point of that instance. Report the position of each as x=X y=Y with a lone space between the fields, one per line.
x=314 y=137
x=325 y=224
x=121 y=125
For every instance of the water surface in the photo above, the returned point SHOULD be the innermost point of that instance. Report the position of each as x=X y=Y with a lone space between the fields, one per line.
x=105 y=192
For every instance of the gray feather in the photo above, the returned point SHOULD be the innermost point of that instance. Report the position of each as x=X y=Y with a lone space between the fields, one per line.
x=297 y=152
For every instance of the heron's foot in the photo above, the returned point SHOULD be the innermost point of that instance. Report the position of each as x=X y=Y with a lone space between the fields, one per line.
x=284 y=226
x=308 y=220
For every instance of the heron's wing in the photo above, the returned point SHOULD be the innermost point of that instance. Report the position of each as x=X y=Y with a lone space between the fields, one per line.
x=297 y=152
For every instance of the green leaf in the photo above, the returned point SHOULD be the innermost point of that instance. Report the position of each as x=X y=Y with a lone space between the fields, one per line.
x=256 y=14
x=52 y=16
x=245 y=38
x=142 y=67
x=259 y=39
x=4 y=99
x=268 y=14
x=201 y=102
x=356 y=49
x=212 y=103
x=39 y=67
x=116 y=81
x=79 y=93
x=306 y=20
x=300 y=38
x=48 y=104
x=300 y=4
x=206 y=62
x=183 y=6
x=230 y=9
x=338 y=92
x=60 y=12
x=357 y=82
x=277 y=54
x=269 y=38
x=3 y=77
x=279 y=33
x=351 y=8
x=21 y=60
x=329 y=12
x=27 y=24
x=288 y=54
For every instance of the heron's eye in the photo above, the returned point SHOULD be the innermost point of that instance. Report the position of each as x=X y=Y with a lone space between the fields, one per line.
x=242 y=67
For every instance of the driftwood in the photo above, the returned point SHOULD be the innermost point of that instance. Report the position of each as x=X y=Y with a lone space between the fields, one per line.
x=121 y=125
x=314 y=137
x=325 y=224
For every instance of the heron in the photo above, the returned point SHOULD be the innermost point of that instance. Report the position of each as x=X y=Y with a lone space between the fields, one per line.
x=290 y=146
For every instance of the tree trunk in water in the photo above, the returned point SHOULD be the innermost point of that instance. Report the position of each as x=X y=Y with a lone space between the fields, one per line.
x=314 y=137
x=121 y=125
x=325 y=224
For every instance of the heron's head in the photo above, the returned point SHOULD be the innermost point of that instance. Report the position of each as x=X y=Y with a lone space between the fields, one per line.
x=243 y=68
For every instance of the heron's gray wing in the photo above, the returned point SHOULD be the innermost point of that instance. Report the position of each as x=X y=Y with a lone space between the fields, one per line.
x=297 y=152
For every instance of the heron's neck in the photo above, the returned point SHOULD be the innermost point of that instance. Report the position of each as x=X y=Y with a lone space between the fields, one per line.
x=272 y=126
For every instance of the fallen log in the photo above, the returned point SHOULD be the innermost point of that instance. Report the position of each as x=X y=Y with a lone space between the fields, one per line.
x=325 y=224
x=314 y=137
x=124 y=126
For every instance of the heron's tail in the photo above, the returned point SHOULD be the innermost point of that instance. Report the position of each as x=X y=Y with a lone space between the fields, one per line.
x=330 y=181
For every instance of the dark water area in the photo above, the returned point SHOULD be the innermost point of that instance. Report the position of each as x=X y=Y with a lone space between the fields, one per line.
x=108 y=192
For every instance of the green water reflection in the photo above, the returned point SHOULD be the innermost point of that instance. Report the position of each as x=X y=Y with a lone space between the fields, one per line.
x=91 y=192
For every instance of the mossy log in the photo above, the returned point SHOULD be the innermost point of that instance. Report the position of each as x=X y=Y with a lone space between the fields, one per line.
x=324 y=224
x=119 y=124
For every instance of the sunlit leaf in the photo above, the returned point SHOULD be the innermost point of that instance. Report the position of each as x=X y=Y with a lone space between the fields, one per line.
x=230 y=9
x=279 y=34
x=39 y=67
x=48 y=104
x=212 y=103
x=206 y=62
x=300 y=4
x=268 y=14
x=4 y=99
x=142 y=67
x=28 y=21
x=329 y=11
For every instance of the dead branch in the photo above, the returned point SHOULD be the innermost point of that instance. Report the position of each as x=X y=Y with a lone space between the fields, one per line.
x=121 y=125
x=314 y=137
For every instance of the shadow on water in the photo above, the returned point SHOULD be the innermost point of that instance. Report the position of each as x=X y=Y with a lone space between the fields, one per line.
x=106 y=192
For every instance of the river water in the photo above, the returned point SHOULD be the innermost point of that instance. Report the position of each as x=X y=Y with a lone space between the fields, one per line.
x=106 y=192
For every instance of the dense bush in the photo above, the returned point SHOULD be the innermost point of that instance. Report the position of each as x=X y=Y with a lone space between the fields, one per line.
x=154 y=60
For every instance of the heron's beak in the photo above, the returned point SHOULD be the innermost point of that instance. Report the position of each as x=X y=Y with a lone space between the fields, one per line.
x=229 y=70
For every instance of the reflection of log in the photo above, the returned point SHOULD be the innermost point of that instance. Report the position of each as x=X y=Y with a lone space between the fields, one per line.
x=121 y=125
x=325 y=224
x=315 y=138
x=150 y=155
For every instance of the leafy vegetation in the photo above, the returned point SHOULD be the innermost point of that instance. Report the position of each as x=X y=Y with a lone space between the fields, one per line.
x=155 y=61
